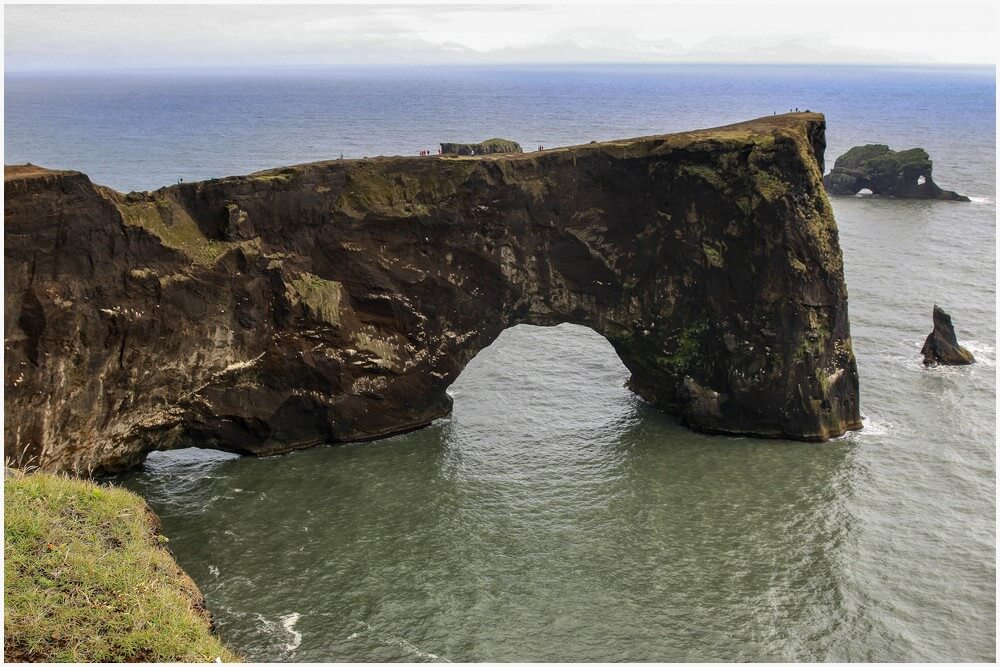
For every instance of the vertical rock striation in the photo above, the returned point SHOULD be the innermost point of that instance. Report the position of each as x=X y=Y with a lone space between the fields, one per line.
x=337 y=301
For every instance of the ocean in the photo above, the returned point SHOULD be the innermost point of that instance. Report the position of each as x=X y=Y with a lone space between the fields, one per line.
x=555 y=516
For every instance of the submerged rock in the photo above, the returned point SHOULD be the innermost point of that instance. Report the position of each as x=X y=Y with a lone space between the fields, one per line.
x=488 y=147
x=904 y=174
x=337 y=301
x=941 y=346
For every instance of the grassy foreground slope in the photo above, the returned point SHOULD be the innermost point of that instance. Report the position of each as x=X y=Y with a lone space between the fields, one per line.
x=87 y=579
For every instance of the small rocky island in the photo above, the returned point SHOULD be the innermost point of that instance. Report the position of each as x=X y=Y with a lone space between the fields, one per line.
x=337 y=301
x=875 y=167
x=941 y=346
x=495 y=146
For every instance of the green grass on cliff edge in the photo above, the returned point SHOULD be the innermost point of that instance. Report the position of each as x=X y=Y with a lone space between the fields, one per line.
x=87 y=579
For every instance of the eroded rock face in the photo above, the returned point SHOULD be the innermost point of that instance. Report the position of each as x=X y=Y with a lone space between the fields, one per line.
x=337 y=301
x=905 y=174
x=941 y=346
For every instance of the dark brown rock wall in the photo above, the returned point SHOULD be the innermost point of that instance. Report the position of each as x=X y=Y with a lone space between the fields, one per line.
x=337 y=301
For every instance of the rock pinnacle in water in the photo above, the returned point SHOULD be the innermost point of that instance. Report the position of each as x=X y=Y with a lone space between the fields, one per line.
x=941 y=346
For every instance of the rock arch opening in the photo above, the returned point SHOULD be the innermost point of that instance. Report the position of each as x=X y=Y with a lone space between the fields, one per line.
x=533 y=374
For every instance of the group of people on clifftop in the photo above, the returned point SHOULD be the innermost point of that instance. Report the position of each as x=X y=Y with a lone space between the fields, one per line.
x=440 y=152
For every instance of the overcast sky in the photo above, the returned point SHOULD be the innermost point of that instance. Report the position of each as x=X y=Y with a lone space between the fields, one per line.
x=63 y=37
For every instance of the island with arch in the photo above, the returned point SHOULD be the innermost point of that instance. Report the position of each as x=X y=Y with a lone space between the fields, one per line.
x=337 y=301
x=879 y=170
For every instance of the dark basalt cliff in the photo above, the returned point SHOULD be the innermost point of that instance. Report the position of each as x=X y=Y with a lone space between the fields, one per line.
x=337 y=301
x=904 y=174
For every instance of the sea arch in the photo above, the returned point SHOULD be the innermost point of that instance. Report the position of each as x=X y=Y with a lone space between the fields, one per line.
x=337 y=301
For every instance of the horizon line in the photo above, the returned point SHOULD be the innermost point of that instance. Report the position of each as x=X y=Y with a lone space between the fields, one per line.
x=582 y=63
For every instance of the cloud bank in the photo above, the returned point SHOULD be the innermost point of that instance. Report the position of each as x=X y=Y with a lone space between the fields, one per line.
x=67 y=37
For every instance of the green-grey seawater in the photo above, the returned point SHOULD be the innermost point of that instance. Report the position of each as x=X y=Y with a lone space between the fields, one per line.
x=557 y=517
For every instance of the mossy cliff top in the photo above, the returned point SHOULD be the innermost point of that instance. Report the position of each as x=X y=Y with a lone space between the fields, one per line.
x=880 y=157
x=89 y=580
x=806 y=128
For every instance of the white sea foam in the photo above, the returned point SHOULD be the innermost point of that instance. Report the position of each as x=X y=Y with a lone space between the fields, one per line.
x=288 y=623
x=400 y=642
x=981 y=200
x=984 y=351
x=286 y=628
x=874 y=426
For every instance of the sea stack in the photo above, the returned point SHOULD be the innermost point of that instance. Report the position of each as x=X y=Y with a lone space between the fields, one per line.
x=941 y=346
x=904 y=174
